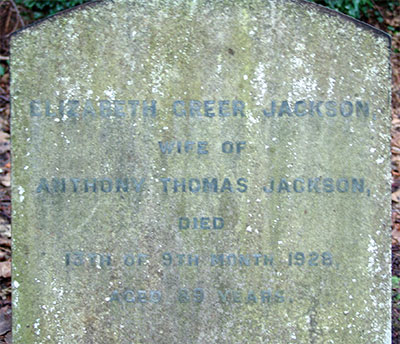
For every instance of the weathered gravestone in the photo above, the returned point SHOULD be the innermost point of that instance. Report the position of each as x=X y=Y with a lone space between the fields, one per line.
x=201 y=172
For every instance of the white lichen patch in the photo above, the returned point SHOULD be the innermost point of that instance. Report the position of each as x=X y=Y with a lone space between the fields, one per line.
x=21 y=192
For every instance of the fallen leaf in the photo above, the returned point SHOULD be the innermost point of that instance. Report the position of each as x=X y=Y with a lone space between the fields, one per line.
x=5 y=242
x=5 y=269
x=4 y=147
x=5 y=321
x=4 y=137
x=6 y=180
x=396 y=196
x=5 y=230
x=8 y=338
x=396 y=235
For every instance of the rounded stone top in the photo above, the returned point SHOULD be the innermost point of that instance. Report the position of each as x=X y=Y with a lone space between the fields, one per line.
x=173 y=3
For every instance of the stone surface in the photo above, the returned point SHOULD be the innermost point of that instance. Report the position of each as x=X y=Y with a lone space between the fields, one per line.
x=281 y=111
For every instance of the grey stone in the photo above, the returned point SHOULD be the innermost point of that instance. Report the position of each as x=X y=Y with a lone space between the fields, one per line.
x=282 y=114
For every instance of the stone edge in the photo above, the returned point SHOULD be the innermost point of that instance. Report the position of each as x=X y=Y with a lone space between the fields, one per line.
x=51 y=18
x=318 y=8
x=334 y=13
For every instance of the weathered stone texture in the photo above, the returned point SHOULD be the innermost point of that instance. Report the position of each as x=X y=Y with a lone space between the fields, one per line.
x=329 y=162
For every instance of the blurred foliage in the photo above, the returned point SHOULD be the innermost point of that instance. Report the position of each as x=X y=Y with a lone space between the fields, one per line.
x=356 y=8
x=359 y=8
x=44 y=8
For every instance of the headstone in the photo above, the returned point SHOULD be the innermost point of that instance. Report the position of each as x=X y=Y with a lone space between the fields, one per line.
x=201 y=172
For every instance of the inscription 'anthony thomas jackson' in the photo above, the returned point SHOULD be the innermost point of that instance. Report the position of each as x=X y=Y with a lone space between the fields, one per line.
x=202 y=185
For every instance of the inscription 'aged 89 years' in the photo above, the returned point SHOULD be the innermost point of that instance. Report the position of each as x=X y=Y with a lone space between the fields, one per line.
x=201 y=172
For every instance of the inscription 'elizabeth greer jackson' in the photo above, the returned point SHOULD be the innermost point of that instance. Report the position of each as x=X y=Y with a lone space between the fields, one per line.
x=112 y=108
x=202 y=185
